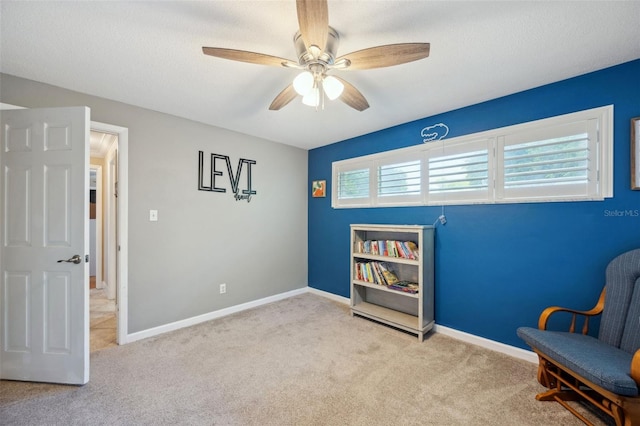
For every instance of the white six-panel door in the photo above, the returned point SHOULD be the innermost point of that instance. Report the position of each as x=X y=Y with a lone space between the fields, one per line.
x=44 y=308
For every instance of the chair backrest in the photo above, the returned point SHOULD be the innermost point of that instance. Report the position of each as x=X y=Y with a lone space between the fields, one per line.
x=620 y=323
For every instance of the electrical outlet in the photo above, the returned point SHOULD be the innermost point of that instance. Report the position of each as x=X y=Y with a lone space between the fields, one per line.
x=442 y=219
x=223 y=288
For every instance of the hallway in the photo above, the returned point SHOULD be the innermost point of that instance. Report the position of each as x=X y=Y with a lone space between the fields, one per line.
x=102 y=320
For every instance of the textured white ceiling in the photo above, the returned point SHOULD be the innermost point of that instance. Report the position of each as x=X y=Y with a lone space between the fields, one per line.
x=149 y=54
x=100 y=143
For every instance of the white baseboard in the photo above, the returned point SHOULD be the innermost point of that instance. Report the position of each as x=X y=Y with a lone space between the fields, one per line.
x=328 y=295
x=456 y=334
x=211 y=315
x=487 y=343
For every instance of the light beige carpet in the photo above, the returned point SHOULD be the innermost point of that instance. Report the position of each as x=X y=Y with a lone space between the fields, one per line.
x=300 y=361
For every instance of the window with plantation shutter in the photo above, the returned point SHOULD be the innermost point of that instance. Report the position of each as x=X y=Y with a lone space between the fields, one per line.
x=352 y=184
x=547 y=162
x=563 y=158
x=464 y=172
x=559 y=161
x=460 y=172
x=399 y=179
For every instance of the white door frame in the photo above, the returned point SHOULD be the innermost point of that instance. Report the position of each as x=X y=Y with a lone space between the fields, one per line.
x=111 y=220
x=123 y=226
x=98 y=246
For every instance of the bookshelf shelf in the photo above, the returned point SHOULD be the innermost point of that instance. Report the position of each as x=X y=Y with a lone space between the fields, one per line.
x=387 y=316
x=384 y=288
x=386 y=258
x=370 y=296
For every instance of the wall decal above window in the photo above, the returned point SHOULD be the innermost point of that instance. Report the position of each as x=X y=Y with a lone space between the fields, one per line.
x=218 y=164
x=434 y=133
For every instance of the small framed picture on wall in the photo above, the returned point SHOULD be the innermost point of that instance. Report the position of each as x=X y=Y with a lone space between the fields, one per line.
x=319 y=188
x=635 y=153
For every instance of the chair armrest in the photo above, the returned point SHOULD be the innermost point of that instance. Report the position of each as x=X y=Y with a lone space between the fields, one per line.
x=635 y=367
x=596 y=310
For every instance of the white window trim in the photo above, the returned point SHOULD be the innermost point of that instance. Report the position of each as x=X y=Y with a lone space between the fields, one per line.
x=603 y=116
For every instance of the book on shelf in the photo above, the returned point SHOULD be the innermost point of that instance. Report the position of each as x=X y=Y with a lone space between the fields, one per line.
x=413 y=249
x=392 y=250
x=382 y=273
x=402 y=250
x=389 y=248
x=375 y=272
x=388 y=274
x=377 y=277
x=405 y=286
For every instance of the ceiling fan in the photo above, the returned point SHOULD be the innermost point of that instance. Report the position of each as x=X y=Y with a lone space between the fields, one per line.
x=316 y=44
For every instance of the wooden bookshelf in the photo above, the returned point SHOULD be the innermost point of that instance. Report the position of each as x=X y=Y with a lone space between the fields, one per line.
x=412 y=312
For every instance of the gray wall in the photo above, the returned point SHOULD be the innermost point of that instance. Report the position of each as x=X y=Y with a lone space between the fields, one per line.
x=201 y=239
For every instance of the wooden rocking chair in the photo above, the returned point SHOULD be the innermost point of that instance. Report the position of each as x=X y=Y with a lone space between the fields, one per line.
x=605 y=370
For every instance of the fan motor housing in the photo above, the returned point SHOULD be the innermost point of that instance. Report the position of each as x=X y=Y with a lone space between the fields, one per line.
x=328 y=55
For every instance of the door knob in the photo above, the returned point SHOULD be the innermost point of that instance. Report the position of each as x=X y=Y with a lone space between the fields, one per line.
x=75 y=259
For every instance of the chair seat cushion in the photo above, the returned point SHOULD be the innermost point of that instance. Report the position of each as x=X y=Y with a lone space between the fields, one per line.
x=598 y=362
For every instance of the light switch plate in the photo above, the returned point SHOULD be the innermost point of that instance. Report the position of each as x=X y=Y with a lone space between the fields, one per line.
x=153 y=215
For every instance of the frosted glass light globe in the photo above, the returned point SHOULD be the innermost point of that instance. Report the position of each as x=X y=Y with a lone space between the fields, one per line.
x=303 y=83
x=312 y=98
x=332 y=87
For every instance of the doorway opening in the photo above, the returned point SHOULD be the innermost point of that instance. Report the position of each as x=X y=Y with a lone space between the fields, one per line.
x=102 y=283
x=108 y=301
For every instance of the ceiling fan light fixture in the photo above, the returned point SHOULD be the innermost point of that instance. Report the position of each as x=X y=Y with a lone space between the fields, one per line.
x=303 y=83
x=316 y=45
x=312 y=98
x=332 y=87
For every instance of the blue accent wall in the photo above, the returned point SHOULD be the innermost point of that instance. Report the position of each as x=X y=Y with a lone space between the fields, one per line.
x=498 y=266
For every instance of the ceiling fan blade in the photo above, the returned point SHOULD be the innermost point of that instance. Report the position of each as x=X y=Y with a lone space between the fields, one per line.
x=245 y=56
x=283 y=98
x=386 y=56
x=352 y=96
x=313 y=19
